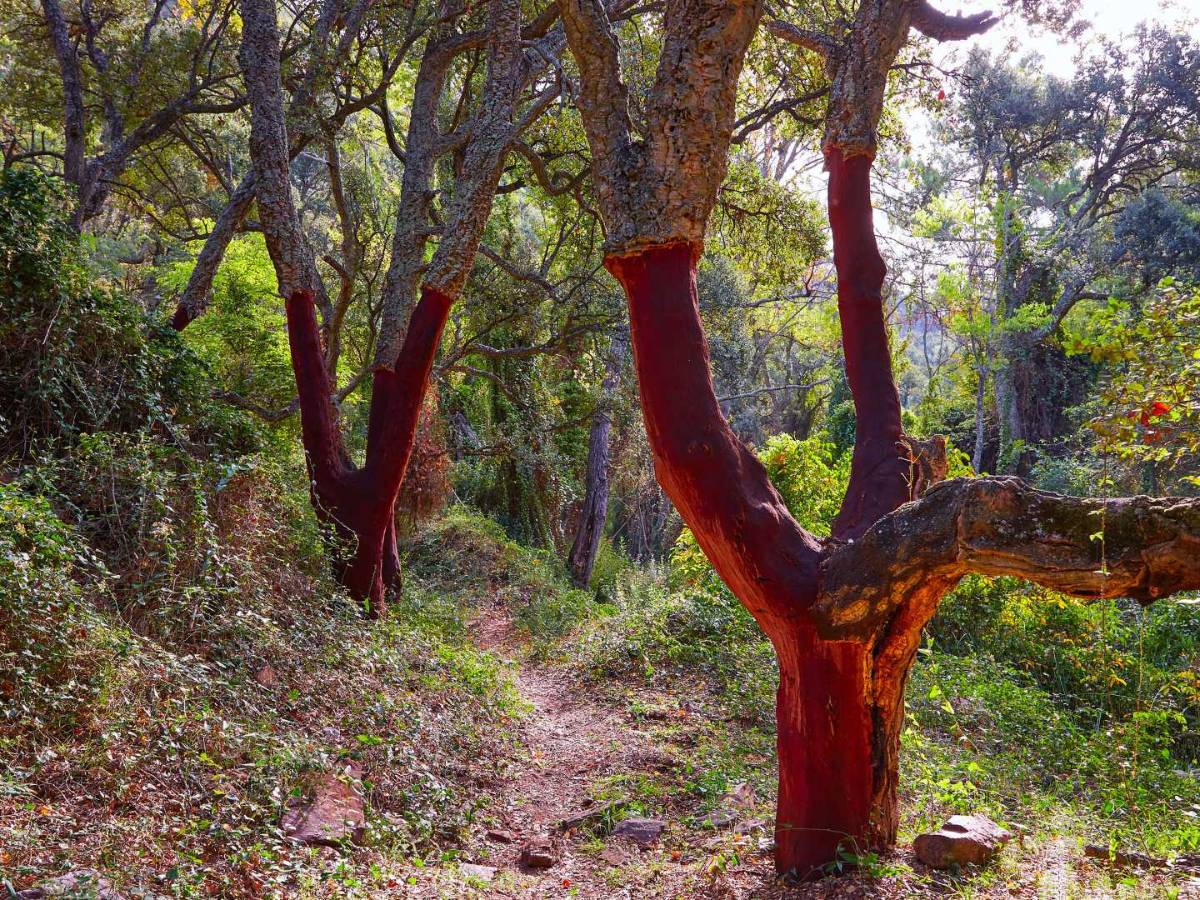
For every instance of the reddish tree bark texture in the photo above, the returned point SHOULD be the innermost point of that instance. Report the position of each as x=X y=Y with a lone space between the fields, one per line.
x=359 y=502
x=880 y=468
x=829 y=742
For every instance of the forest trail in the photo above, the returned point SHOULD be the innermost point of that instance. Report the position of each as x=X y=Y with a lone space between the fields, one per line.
x=573 y=739
x=570 y=741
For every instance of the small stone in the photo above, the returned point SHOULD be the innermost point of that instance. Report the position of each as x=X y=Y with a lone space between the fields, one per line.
x=591 y=814
x=334 y=814
x=500 y=836
x=643 y=832
x=742 y=796
x=614 y=856
x=266 y=677
x=480 y=873
x=963 y=840
x=79 y=883
x=750 y=826
x=538 y=855
x=720 y=819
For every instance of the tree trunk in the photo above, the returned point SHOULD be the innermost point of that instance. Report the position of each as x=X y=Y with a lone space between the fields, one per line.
x=827 y=737
x=980 y=397
x=824 y=739
x=359 y=504
x=840 y=703
x=595 y=500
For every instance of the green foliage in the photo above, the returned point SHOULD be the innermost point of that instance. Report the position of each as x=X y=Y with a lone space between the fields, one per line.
x=659 y=634
x=54 y=647
x=241 y=337
x=1150 y=401
x=1106 y=662
x=79 y=355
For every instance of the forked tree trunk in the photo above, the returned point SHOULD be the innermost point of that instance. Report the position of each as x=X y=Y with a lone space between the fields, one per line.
x=594 y=513
x=839 y=703
x=359 y=503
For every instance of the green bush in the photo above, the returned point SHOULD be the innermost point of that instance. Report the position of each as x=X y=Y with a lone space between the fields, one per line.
x=80 y=356
x=53 y=644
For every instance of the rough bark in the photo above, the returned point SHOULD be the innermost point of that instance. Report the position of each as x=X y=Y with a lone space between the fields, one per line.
x=659 y=187
x=484 y=141
x=594 y=512
x=1140 y=547
x=291 y=254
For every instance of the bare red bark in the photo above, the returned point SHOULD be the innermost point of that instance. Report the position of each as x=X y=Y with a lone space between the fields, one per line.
x=359 y=503
x=840 y=702
x=826 y=725
x=880 y=468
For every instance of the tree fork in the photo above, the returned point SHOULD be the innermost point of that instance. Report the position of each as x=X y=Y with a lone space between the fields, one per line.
x=359 y=503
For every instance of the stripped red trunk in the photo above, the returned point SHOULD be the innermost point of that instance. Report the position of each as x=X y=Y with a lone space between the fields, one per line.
x=359 y=503
x=837 y=706
x=879 y=471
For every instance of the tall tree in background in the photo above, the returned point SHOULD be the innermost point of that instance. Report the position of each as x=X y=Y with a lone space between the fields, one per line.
x=594 y=512
x=358 y=502
x=845 y=614
x=109 y=67
x=1063 y=159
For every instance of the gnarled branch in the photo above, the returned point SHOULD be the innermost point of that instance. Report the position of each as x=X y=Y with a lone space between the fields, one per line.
x=816 y=41
x=1140 y=547
x=941 y=26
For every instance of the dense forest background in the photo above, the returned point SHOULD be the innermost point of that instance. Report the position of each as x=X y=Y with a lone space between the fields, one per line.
x=178 y=659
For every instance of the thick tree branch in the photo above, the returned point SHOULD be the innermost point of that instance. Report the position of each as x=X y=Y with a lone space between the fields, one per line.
x=1140 y=547
x=816 y=41
x=943 y=27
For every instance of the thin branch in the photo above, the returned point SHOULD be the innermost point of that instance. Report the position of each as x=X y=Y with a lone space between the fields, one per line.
x=817 y=41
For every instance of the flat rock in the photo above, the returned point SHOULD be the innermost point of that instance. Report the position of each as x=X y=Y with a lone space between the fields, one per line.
x=333 y=815
x=963 y=840
x=742 y=796
x=720 y=819
x=614 y=856
x=81 y=884
x=641 y=831
x=538 y=855
x=587 y=816
x=750 y=827
x=482 y=873
x=266 y=677
x=500 y=836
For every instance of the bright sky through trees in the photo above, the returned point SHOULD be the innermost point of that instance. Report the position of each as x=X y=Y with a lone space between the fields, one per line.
x=1108 y=18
